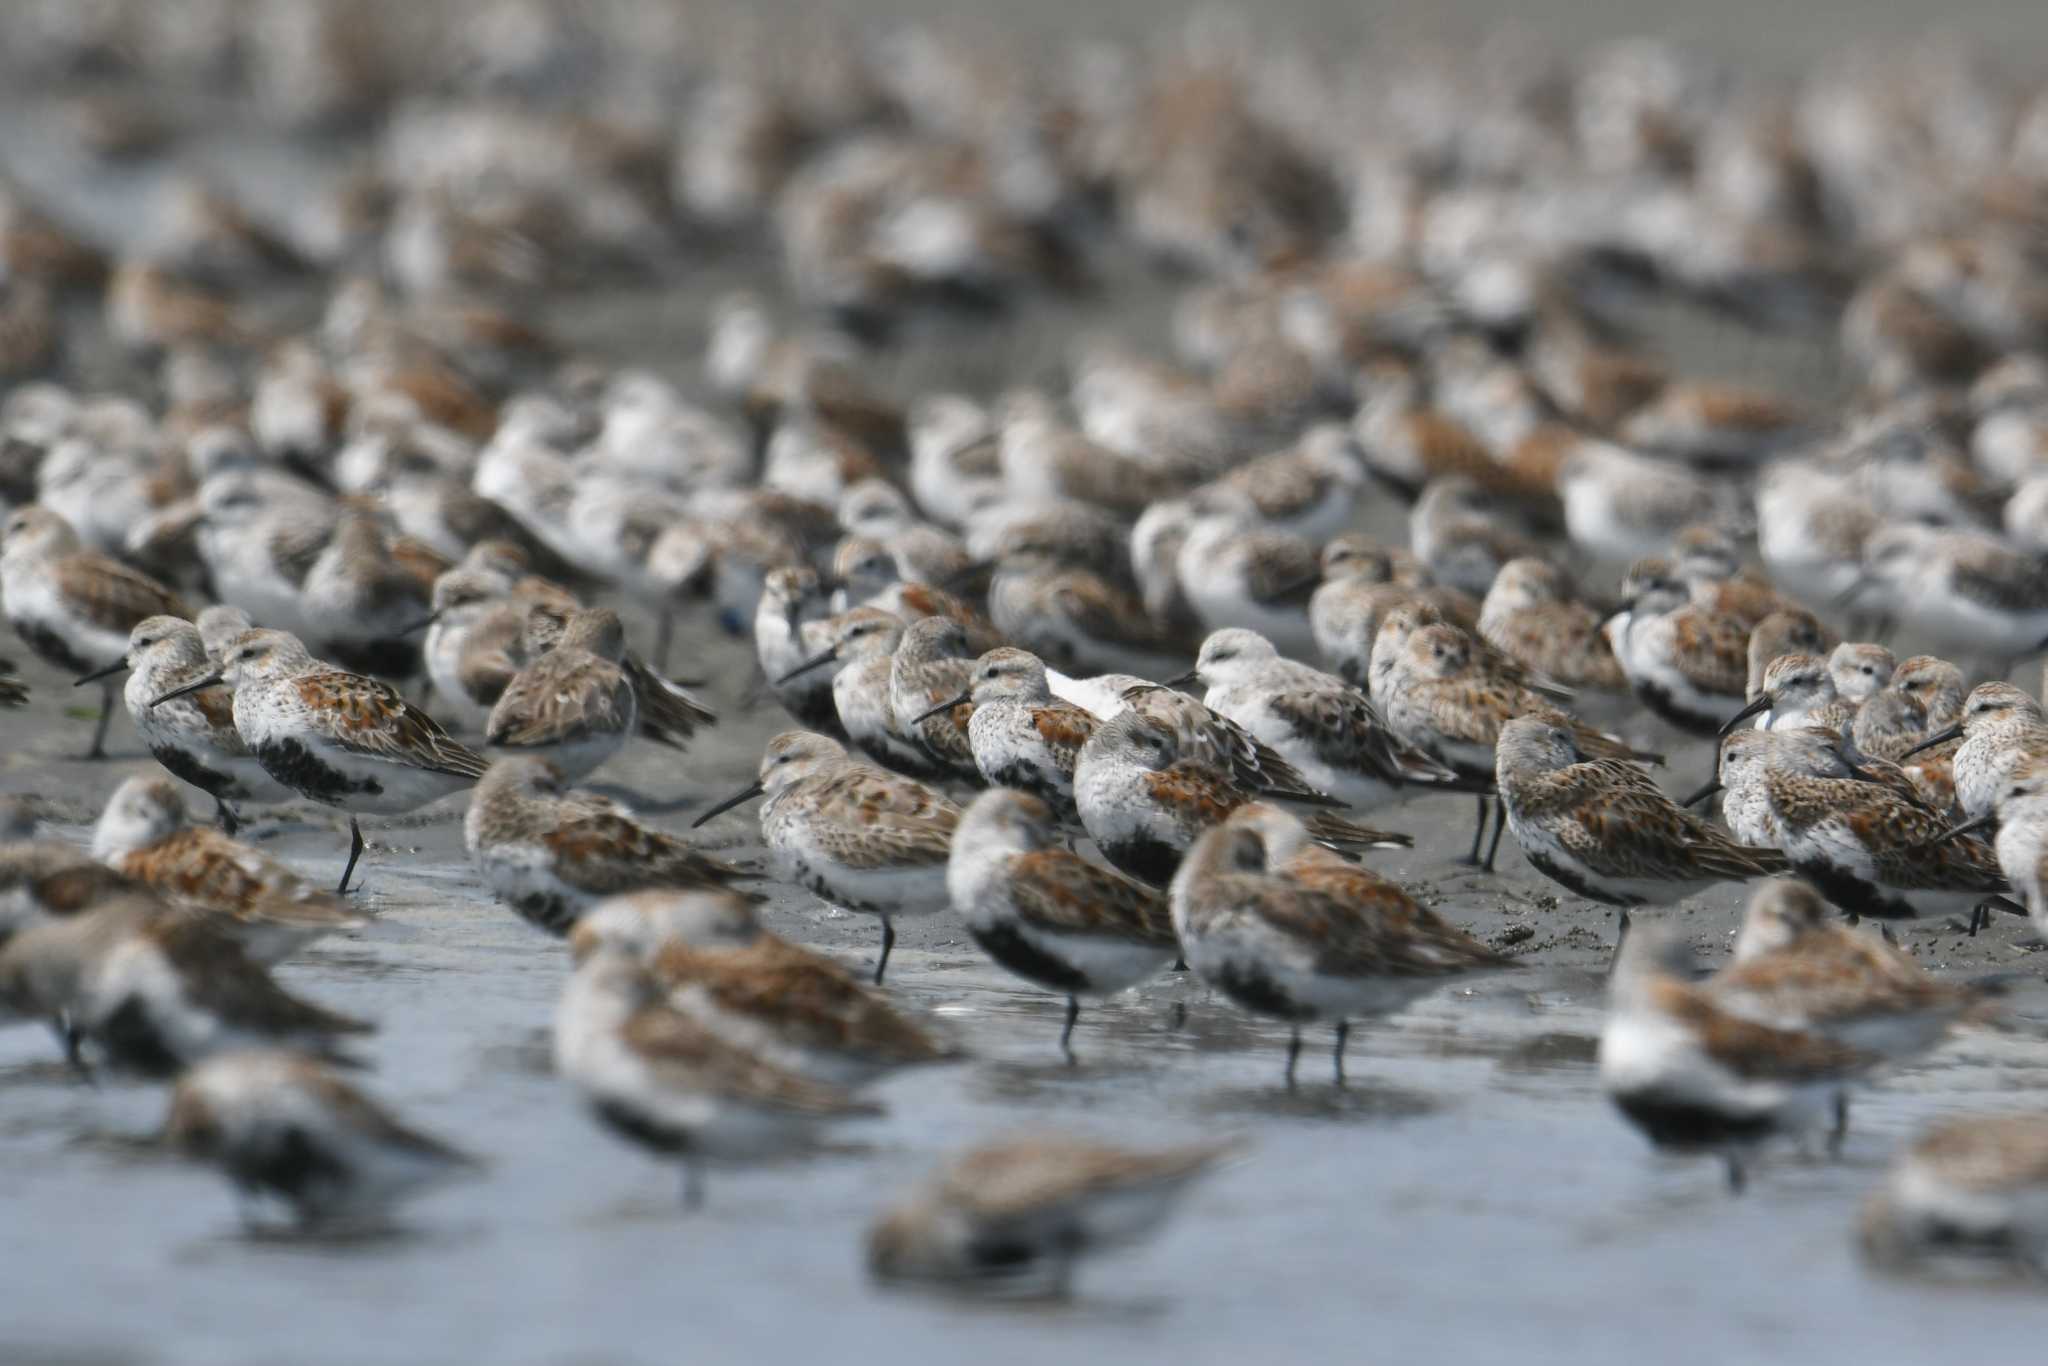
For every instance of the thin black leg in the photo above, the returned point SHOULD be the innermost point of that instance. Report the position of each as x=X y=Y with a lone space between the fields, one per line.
x=1337 y=1053
x=1067 y=1034
x=355 y=851
x=99 y=730
x=1738 y=1179
x=662 y=637
x=1840 y=1133
x=1293 y=1054
x=888 y=943
x=1478 y=833
x=230 y=823
x=1500 y=826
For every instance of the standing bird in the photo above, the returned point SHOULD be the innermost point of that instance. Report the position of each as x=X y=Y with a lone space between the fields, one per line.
x=193 y=737
x=661 y=1079
x=861 y=838
x=1694 y=1076
x=1013 y=1217
x=75 y=607
x=573 y=705
x=257 y=901
x=1601 y=828
x=550 y=852
x=1024 y=737
x=1047 y=914
x=285 y=1125
x=334 y=737
x=1305 y=950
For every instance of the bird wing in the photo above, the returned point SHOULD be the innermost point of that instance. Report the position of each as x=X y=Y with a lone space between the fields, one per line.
x=685 y=1056
x=111 y=595
x=369 y=718
x=1060 y=891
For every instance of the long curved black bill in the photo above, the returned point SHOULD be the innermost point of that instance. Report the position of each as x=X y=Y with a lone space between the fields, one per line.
x=1703 y=794
x=814 y=662
x=736 y=799
x=418 y=626
x=1939 y=738
x=1762 y=704
x=117 y=667
x=947 y=705
x=193 y=686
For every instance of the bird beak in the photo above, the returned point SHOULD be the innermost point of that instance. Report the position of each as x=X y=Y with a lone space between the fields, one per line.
x=736 y=799
x=943 y=706
x=118 y=666
x=422 y=624
x=1940 y=738
x=1703 y=794
x=1762 y=704
x=1192 y=675
x=1956 y=832
x=194 y=686
x=815 y=662
x=1854 y=590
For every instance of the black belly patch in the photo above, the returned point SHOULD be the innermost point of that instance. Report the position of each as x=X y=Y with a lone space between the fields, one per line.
x=51 y=647
x=1028 y=961
x=133 y=1041
x=548 y=911
x=181 y=764
x=1661 y=701
x=1854 y=894
x=1570 y=880
x=1145 y=859
x=293 y=1165
x=1029 y=777
x=1685 y=1125
x=306 y=773
x=1259 y=992
x=629 y=1123
x=377 y=658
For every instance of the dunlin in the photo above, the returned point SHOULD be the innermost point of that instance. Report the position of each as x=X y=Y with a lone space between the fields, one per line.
x=338 y=738
x=1047 y=914
x=1079 y=620
x=1328 y=730
x=793 y=598
x=2002 y=730
x=1022 y=736
x=929 y=667
x=551 y=852
x=1144 y=800
x=1444 y=700
x=193 y=737
x=1967 y=589
x=1869 y=847
x=1601 y=827
x=2020 y=811
x=251 y=897
x=795 y=1007
x=860 y=838
x=659 y=1078
x=475 y=643
x=284 y=1125
x=1457 y=535
x=1796 y=632
x=1925 y=695
x=1860 y=669
x=861 y=651
x=573 y=704
x=359 y=599
x=1794 y=969
x=1238 y=575
x=1695 y=1077
x=1014 y=1216
x=1687 y=663
x=1972 y=1186
x=156 y=990
x=1303 y=950
x=74 y=607
x=1798 y=691
x=1530 y=616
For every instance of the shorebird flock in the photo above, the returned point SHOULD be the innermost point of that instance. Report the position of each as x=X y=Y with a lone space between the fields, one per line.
x=1104 y=666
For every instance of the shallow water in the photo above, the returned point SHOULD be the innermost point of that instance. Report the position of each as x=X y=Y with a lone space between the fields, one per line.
x=1468 y=1196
